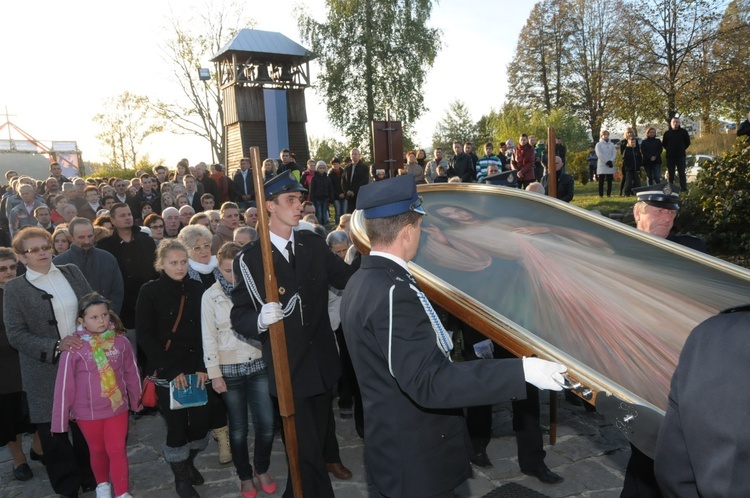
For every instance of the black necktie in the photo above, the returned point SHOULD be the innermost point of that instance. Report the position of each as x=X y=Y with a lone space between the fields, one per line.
x=290 y=252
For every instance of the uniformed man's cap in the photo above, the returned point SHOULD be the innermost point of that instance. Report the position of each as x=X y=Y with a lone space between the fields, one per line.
x=389 y=197
x=503 y=178
x=663 y=195
x=281 y=184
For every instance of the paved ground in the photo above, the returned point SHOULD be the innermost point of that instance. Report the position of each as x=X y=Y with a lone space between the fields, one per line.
x=590 y=453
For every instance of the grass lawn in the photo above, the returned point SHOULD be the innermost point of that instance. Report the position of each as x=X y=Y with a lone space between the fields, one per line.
x=587 y=197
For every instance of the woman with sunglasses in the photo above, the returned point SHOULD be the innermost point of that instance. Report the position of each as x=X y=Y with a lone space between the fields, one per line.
x=40 y=317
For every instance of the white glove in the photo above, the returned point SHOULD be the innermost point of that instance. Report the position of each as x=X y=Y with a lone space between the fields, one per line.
x=269 y=313
x=544 y=374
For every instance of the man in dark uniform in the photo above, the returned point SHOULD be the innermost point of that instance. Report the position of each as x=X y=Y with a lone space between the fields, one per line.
x=305 y=268
x=654 y=213
x=416 y=443
x=703 y=448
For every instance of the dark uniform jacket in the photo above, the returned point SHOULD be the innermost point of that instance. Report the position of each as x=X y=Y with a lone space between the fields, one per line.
x=355 y=176
x=703 y=447
x=565 y=186
x=313 y=358
x=417 y=442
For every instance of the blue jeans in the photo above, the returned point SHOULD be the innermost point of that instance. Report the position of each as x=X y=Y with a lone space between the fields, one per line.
x=321 y=210
x=653 y=173
x=340 y=206
x=243 y=392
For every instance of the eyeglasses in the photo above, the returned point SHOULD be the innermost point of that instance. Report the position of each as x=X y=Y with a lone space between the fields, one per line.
x=156 y=226
x=207 y=245
x=35 y=250
x=3 y=269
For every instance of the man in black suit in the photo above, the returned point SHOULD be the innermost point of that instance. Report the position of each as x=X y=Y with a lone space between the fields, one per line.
x=242 y=185
x=192 y=193
x=703 y=448
x=355 y=176
x=416 y=443
x=305 y=268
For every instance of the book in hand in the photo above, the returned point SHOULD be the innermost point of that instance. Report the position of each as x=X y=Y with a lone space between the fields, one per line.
x=186 y=398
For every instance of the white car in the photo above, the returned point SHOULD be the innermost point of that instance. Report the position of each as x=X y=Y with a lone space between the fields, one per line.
x=694 y=165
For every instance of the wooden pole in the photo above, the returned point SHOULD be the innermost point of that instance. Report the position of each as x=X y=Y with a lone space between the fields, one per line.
x=276 y=330
x=551 y=170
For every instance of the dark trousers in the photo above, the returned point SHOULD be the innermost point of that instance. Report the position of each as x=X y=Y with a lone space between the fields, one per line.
x=349 y=395
x=640 y=481
x=608 y=179
x=528 y=431
x=632 y=180
x=186 y=425
x=653 y=173
x=679 y=163
x=313 y=419
x=68 y=465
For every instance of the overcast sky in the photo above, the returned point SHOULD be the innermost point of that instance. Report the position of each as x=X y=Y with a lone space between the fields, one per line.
x=61 y=60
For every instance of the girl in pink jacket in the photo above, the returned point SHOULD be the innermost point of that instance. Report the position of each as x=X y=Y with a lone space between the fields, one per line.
x=94 y=385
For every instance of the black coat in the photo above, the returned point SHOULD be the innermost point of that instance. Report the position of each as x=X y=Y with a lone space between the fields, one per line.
x=156 y=312
x=676 y=142
x=651 y=147
x=565 y=186
x=702 y=449
x=136 y=262
x=238 y=185
x=462 y=166
x=321 y=187
x=632 y=160
x=313 y=358
x=413 y=396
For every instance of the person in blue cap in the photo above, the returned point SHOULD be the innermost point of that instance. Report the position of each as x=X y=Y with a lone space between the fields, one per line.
x=416 y=442
x=305 y=268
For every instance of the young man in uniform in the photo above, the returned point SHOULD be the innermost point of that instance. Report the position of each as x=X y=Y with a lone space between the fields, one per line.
x=416 y=443
x=305 y=268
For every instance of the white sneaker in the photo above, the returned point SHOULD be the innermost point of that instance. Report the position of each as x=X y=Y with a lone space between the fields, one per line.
x=125 y=495
x=104 y=490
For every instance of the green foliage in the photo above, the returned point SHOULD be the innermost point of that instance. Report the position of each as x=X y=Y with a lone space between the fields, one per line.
x=513 y=120
x=374 y=56
x=732 y=55
x=456 y=124
x=97 y=170
x=126 y=120
x=578 y=166
x=717 y=206
x=325 y=149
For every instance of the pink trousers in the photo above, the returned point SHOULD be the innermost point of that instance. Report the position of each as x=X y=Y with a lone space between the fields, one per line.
x=109 y=456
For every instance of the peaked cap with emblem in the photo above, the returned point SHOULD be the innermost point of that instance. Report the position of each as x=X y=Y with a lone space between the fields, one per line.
x=389 y=197
x=663 y=195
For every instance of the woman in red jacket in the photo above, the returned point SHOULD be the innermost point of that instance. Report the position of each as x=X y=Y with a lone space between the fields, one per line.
x=523 y=161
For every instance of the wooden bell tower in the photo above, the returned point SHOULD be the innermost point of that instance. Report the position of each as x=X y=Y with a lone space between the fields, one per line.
x=263 y=76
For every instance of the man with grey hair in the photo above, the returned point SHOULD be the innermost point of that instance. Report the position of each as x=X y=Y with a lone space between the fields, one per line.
x=251 y=217
x=171 y=222
x=23 y=214
x=186 y=212
x=98 y=266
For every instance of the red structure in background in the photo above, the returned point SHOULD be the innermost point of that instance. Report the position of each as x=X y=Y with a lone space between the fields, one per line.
x=64 y=153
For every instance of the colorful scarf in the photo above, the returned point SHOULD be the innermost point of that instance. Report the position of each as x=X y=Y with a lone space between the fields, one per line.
x=100 y=343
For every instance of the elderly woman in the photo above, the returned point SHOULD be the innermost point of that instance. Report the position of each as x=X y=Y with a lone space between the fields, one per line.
x=203 y=268
x=40 y=310
x=14 y=418
x=239 y=374
x=200 y=219
x=169 y=332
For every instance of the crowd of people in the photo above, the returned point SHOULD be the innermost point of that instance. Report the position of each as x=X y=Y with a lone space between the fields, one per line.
x=108 y=282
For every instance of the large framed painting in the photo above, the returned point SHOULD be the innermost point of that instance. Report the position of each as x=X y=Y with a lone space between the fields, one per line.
x=543 y=277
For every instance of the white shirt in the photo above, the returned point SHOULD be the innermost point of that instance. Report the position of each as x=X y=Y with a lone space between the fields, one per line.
x=393 y=258
x=280 y=243
x=64 y=300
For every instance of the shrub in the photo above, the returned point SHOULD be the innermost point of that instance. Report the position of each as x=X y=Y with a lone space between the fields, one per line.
x=578 y=166
x=717 y=205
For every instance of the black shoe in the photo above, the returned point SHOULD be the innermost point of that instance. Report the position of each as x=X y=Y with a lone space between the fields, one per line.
x=36 y=456
x=481 y=460
x=195 y=476
x=88 y=487
x=74 y=495
x=23 y=472
x=545 y=475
